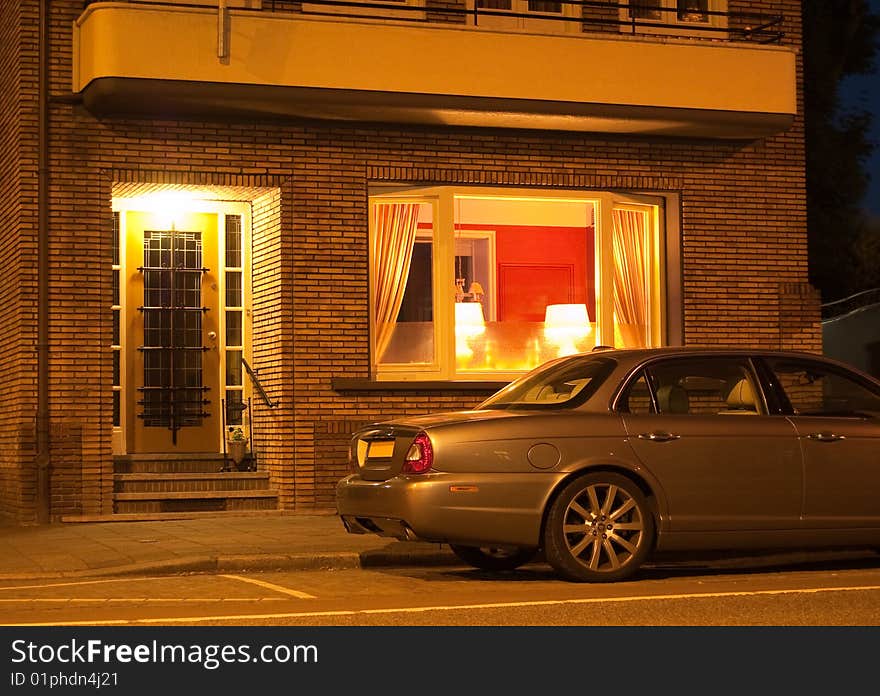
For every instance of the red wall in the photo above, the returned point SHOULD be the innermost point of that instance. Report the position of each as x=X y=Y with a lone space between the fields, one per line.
x=537 y=266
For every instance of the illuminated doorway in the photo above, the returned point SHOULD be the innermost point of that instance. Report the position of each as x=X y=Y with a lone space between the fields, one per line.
x=181 y=324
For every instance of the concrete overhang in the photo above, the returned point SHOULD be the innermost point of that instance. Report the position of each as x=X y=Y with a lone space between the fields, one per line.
x=173 y=61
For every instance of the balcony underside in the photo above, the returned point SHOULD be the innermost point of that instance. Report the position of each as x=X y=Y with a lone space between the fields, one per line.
x=169 y=62
x=177 y=99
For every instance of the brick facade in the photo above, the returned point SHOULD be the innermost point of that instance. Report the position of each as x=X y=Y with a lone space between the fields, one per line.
x=743 y=255
x=18 y=253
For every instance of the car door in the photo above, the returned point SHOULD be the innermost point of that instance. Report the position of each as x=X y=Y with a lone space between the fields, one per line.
x=701 y=426
x=837 y=416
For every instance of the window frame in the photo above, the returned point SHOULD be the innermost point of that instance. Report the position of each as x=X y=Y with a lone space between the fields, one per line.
x=671 y=25
x=442 y=198
x=538 y=23
x=361 y=13
x=763 y=392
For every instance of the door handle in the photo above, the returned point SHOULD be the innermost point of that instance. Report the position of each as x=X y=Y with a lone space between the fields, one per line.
x=826 y=437
x=659 y=436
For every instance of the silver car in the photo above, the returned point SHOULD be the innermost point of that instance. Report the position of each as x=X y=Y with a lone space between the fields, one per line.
x=601 y=459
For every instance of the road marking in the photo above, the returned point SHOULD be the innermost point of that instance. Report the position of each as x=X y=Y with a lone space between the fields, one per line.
x=453 y=607
x=188 y=600
x=76 y=583
x=271 y=586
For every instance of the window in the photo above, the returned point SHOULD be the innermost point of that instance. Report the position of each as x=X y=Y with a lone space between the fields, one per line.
x=360 y=9
x=490 y=283
x=234 y=317
x=539 y=16
x=675 y=17
x=558 y=385
x=116 y=341
x=695 y=386
x=814 y=389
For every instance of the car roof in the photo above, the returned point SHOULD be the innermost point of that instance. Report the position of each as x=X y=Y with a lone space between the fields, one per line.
x=639 y=354
x=629 y=359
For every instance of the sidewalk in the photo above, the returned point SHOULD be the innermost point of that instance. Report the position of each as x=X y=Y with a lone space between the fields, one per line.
x=224 y=542
x=240 y=542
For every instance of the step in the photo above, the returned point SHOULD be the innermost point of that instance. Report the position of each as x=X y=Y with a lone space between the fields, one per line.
x=217 y=481
x=194 y=501
x=170 y=463
x=192 y=495
x=159 y=516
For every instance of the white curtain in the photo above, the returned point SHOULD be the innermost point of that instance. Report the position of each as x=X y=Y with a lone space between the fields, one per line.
x=392 y=245
x=630 y=276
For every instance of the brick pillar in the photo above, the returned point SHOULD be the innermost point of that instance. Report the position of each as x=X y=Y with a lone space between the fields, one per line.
x=800 y=326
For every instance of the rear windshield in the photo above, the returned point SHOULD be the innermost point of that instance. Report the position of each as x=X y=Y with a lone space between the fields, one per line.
x=563 y=383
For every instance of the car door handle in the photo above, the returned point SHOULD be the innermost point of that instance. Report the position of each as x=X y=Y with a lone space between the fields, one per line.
x=826 y=437
x=659 y=436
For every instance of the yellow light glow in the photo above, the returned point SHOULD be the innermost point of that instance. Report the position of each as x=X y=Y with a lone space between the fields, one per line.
x=565 y=325
x=469 y=323
x=167 y=208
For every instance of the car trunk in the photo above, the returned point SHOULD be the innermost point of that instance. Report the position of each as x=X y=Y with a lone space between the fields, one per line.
x=380 y=452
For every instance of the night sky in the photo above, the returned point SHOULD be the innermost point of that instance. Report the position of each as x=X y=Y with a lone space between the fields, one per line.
x=863 y=92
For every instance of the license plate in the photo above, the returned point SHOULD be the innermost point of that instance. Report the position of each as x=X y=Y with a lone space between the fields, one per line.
x=381 y=450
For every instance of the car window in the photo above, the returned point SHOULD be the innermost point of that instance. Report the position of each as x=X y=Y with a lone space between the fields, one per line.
x=696 y=386
x=564 y=383
x=815 y=389
x=637 y=398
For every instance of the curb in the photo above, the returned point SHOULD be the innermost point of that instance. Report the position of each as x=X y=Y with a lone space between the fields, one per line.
x=345 y=560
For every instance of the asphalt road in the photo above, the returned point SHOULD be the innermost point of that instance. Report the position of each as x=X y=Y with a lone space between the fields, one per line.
x=832 y=590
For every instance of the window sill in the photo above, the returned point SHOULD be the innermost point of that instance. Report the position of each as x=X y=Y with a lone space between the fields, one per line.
x=351 y=384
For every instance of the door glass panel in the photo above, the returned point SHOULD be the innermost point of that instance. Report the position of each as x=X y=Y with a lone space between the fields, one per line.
x=637 y=398
x=705 y=387
x=233 y=368
x=172 y=380
x=233 y=288
x=233 y=241
x=814 y=390
x=233 y=328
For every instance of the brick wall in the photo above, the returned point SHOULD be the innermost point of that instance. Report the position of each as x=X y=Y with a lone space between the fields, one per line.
x=743 y=249
x=18 y=244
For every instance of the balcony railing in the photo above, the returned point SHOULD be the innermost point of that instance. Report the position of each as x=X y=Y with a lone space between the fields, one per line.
x=593 y=16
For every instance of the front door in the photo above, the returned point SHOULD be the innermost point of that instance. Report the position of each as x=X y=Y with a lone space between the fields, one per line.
x=172 y=326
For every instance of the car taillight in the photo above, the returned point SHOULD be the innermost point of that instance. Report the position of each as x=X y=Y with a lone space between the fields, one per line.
x=420 y=457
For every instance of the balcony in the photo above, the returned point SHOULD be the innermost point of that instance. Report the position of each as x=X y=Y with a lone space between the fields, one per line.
x=416 y=64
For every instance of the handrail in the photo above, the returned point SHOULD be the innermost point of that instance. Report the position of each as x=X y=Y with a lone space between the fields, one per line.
x=257 y=384
x=757 y=26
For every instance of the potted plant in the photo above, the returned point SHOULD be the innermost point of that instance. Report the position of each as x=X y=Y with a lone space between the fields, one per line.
x=236 y=444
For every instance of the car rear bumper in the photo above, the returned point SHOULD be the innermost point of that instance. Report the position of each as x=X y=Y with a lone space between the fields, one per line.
x=439 y=507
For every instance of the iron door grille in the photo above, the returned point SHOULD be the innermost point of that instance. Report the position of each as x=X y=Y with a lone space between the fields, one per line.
x=173 y=392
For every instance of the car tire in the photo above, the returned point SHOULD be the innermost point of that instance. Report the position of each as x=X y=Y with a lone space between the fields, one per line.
x=598 y=529
x=493 y=557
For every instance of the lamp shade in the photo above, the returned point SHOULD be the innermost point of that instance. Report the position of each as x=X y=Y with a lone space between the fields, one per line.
x=469 y=323
x=565 y=325
x=469 y=320
x=568 y=316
